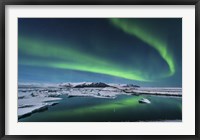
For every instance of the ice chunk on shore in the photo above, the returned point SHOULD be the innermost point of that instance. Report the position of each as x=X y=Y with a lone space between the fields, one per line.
x=27 y=106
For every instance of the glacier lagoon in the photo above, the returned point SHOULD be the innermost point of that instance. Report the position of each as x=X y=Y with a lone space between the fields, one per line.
x=99 y=107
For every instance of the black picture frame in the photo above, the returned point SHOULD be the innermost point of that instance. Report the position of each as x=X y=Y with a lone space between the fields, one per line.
x=3 y=4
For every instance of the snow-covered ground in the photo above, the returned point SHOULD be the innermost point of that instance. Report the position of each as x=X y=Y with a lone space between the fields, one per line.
x=30 y=105
x=156 y=91
x=35 y=97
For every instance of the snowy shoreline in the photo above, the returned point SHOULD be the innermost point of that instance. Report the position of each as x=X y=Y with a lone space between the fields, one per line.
x=35 y=98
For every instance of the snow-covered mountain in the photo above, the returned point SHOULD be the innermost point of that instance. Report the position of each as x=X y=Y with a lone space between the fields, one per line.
x=95 y=84
x=100 y=84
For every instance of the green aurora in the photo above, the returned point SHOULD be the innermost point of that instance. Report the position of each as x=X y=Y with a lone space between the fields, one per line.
x=78 y=60
x=149 y=38
x=66 y=56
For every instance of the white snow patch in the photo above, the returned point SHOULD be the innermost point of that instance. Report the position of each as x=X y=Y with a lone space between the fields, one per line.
x=33 y=104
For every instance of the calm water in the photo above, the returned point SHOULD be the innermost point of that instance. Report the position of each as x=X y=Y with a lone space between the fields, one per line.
x=122 y=109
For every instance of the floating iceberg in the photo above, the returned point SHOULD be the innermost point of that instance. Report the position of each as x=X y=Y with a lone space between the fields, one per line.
x=144 y=100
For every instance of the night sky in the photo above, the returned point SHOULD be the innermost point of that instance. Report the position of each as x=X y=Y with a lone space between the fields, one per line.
x=142 y=51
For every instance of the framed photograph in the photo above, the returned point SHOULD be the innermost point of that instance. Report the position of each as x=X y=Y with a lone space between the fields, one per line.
x=86 y=69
